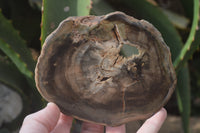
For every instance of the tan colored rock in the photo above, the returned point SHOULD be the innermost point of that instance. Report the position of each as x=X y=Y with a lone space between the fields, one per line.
x=84 y=69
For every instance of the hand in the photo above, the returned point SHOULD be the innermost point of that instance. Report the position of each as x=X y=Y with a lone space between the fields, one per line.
x=51 y=120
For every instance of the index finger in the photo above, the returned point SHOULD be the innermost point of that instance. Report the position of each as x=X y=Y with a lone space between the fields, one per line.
x=42 y=121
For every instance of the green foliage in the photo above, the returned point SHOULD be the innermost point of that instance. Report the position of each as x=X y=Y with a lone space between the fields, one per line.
x=100 y=7
x=188 y=7
x=15 y=58
x=14 y=42
x=186 y=52
x=183 y=96
x=11 y=76
x=17 y=65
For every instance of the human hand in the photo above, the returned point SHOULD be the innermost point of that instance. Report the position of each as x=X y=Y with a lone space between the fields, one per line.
x=51 y=120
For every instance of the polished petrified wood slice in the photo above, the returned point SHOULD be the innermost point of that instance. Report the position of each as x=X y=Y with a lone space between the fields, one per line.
x=84 y=69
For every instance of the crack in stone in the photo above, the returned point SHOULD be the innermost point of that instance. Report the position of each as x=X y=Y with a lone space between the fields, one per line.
x=115 y=60
x=124 y=102
x=117 y=34
x=104 y=79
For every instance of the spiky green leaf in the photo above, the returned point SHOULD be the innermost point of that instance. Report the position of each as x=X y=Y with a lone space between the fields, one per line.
x=13 y=40
x=10 y=75
x=188 y=7
x=190 y=45
x=16 y=59
x=183 y=96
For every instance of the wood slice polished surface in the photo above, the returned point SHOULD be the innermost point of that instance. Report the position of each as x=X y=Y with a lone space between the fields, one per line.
x=83 y=70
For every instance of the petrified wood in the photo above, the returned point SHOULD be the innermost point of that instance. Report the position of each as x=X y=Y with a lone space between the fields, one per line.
x=84 y=69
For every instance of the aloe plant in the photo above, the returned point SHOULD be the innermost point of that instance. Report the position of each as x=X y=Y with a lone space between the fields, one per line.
x=15 y=47
x=15 y=57
x=183 y=97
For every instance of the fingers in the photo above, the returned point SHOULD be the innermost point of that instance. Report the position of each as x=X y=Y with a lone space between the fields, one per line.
x=64 y=124
x=42 y=121
x=119 y=129
x=91 y=128
x=153 y=124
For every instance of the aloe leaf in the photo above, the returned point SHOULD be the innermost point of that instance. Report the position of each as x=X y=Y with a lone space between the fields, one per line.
x=54 y=12
x=34 y=3
x=100 y=7
x=187 y=51
x=183 y=96
x=188 y=7
x=177 y=20
x=11 y=37
x=10 y=75
x=188 y=55
x=15 y=57
x=25 y=19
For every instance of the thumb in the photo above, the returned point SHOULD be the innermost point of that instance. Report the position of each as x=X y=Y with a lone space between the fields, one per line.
x=42 y=121
x=153 y=124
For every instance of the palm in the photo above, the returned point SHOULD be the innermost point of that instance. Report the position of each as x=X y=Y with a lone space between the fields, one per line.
x=51 y=120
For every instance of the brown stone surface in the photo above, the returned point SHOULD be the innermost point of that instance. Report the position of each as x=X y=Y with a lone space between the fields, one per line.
x=84 y=70
x=171 y=125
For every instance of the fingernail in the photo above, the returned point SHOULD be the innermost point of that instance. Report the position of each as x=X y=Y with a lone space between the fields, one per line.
x=50 y=103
